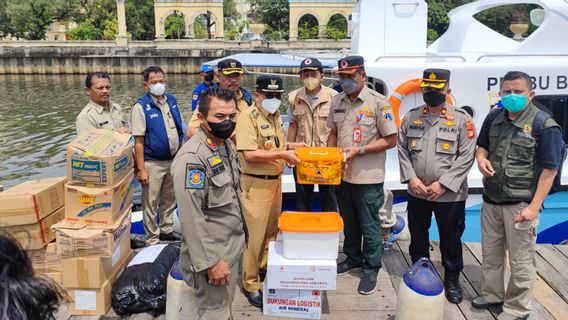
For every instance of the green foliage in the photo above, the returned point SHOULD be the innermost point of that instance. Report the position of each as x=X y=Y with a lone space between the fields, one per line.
x=85 y=31
x=140 y=19
x=272 y=35
x=97 y=11
x=5 y=26
x=308 y=27
x=432 y=34
x=30 y=19
x=273 y=13
x=199 y=27
x=336 y=28
x=234 y=32
x=111 y=29
x=175 y=27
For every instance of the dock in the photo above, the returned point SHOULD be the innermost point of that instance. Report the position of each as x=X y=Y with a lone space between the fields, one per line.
x=550 y=290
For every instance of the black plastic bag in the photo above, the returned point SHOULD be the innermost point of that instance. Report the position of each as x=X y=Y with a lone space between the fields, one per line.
x=142 y=287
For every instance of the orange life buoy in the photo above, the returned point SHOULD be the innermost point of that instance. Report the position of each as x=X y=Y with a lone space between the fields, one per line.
x=403 y=90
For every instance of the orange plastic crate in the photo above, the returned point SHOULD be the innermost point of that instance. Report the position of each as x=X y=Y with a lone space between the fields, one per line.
x=319 y=165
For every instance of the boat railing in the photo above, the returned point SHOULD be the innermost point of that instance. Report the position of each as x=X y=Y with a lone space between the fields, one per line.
x=421 y=57
x=480 y=58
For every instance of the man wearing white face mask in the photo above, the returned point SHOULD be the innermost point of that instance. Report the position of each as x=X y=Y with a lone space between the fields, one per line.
x=262 y=147
x=157 y=130
x=309 y=109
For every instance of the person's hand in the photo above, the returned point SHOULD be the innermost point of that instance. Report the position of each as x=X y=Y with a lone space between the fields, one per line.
x=527 y=214
x=123 y=130
x=436 y=190
x=485 y=167
x=291 y=157
x=418 y=187
x=350 y=152
x=219 y=274
x=143 y=177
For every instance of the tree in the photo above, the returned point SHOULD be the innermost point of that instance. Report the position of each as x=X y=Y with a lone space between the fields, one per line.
x=336 y=28
x=175 y=26
x=140 y=19
x=97 y=11
x=5 y=25
x=86 y=31
x=111 y=29
x=308 y=27
x=30 y=19
x=274 y=13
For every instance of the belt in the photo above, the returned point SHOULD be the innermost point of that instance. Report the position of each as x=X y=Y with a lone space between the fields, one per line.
x=263 y=177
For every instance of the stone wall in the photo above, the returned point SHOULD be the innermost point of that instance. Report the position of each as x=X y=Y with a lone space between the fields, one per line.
x=181 y=56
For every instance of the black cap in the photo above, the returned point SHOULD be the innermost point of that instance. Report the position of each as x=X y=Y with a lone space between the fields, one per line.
x=311 y=64
x=351 y=64
x=228 y=66
x=269 y=83
x=435 y=78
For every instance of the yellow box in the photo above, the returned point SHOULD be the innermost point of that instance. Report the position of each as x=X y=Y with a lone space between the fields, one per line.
x=319 y=165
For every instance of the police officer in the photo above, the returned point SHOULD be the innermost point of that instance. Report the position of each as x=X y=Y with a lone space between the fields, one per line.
x=157 y=129
x=207 y=185
x=262 y=145
x=519 y=159
x=309 y=109
x=362 y=123
x=230 y=73
x=436 y=146
x=100 y=112
x=208 y=75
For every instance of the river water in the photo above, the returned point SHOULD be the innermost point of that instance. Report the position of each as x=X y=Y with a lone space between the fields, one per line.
x=37 y=117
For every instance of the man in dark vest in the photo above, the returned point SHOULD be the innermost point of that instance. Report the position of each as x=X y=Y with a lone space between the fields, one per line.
x=518 y=170
x=157 y=130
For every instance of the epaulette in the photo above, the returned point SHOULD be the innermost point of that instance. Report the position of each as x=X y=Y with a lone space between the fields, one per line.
x=193 y=146
x=376 y=94
x=254 y=113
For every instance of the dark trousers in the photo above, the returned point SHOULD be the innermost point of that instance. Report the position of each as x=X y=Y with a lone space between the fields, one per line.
x=305 y=195
x=450 y=217
x=359 y=206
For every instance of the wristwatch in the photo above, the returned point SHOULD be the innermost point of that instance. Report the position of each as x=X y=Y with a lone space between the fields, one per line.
x=361 y=150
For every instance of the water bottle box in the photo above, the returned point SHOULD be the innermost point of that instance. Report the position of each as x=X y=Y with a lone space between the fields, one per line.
x=303 y=304
x=99 y=158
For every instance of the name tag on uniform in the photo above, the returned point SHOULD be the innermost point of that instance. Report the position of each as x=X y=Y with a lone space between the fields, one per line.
x=103 y=123
x=264 y=126
x=339 y=110
x=216 y=164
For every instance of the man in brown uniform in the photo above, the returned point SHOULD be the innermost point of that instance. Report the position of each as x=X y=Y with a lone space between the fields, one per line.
x=262 y=145
x=362 y=123
x=309 y=109
x=207 y=185
x=436 y=146
x=100 y=112
x=230 y=73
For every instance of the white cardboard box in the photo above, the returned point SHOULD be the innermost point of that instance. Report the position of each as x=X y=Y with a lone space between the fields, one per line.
x=305 y=304
x=299 y=274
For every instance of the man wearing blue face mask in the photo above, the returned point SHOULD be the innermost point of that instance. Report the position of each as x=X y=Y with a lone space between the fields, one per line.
x=264 y=152
x=362 y=123
x=519 y=158
x=157 y=129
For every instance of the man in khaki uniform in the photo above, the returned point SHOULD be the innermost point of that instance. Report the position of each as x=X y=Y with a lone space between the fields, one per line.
x=436 y=146
x=519 y=158
x=157 y=130
x=362 y=123
x=230 y=73
x=309 y=109
x=207 y=187
x=100 y=112
x=262 y=145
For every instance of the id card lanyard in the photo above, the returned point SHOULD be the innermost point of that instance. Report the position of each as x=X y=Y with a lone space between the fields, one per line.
x=357 y=132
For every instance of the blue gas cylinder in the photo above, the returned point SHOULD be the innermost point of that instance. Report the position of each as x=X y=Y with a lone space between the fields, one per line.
x=398 y=225
x=421 y=293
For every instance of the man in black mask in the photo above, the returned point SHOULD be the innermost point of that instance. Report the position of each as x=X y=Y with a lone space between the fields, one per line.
x=436 y=147
x=207 y=187
x=208 y=75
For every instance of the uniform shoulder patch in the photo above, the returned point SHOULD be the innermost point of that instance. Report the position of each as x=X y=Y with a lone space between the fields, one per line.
x=194 y=176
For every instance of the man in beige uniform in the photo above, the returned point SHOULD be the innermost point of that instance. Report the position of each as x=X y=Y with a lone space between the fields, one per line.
x=262 y=145
x=309 y=109
x=207 y=187
x=100 y=112
x=157 y=130
x=436 y=146
x=362 y=123
x=230 y=73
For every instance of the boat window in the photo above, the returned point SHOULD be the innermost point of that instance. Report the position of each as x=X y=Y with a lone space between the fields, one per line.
x=378 y=85
x=513 y=21
x=557 y=106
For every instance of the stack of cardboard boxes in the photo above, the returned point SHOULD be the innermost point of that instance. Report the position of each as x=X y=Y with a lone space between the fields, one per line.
x=93 y=242
x=27 y=212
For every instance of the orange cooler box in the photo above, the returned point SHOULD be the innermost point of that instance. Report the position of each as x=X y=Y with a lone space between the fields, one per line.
x=319 y=165
x=310 y=235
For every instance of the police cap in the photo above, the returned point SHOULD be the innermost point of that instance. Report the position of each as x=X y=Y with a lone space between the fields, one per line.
x=351 y=64
x=310 y=64
x=435 y=78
